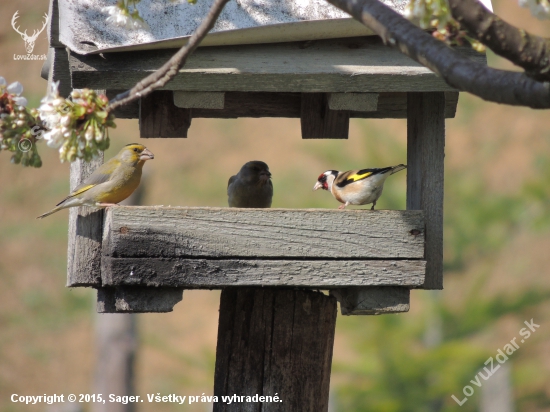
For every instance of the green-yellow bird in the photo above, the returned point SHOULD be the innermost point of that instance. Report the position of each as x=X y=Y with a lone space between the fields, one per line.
x=110 y=183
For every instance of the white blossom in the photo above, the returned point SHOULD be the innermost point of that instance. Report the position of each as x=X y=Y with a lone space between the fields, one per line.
x=538 y=8
x=120 y=16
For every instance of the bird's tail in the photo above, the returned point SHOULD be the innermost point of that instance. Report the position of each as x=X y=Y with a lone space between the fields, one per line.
x=398 y=168
x=51 y=212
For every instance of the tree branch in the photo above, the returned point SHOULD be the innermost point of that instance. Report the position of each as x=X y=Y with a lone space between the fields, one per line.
x=163 y=75
x=523 y=49
x=458 y=71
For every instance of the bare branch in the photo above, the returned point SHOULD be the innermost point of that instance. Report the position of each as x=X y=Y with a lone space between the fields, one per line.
x=460 y=72
x=523 y=49
x=163 y=75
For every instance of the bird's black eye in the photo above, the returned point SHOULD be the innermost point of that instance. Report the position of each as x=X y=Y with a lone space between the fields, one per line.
x=135 y=149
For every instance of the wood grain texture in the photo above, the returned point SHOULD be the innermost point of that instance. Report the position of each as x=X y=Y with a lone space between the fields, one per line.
x=133 y=299
x=275 y=341
x=359 y=102
x=59 y=72
x=219 y=273
x=425 y=174
x=372 y=300
x=154 y=231
x=159 y=117
x=270 y=104
x=85 y=233
x=199 y=100
x=53 y=26
x=361 y=64
x=318 y=121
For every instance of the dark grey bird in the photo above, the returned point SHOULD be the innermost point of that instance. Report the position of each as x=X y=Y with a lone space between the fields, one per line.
x=251 y=187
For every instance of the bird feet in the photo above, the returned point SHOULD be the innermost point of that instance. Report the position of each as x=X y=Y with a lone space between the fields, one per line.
x=341 y=207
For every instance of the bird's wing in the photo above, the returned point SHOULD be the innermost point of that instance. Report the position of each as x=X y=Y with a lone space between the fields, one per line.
x=231 y=180
x=101 y=175
x=351 y=176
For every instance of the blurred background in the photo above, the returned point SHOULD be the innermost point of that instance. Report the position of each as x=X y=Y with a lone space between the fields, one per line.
x=496 y=252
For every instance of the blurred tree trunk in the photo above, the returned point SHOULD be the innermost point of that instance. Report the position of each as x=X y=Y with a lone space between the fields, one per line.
x=116 y=348
x=496 y=392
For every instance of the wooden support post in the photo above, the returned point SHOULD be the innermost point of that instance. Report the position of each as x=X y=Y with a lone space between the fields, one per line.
x=159 y=117
x=85 y=233
x=319 y=122
x=425 y=156
x=274 y=341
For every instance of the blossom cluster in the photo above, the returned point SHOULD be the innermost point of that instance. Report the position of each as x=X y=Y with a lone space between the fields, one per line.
x=19 y=126
x=120 y=15
x=538 y=8
x=435 y=14
x=78 y=126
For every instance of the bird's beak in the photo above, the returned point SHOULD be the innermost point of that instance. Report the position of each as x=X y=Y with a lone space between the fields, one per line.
x=318 y=185
x=265 y=175
x=146 y=155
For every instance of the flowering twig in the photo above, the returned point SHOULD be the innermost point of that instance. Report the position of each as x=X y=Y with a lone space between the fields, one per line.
x=163 y=75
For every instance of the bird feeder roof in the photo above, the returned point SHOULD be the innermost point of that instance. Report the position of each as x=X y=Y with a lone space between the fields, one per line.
x=83 y=27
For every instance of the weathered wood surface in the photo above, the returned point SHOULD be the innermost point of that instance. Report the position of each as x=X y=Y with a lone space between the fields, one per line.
x=58 y=71
x=199 y=100
x=318 y=121
x=155 y=231
x=159 y=117
x=273 y=341
x=361 y=64
x=359 y=102
x=85 y=233
x=270 y=104
x=373 y=300
x=53 y=26
x=425 y=174
x=134 y=299
x=219 y=273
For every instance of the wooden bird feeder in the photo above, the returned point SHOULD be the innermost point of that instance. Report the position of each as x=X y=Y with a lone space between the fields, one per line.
x=276 y=330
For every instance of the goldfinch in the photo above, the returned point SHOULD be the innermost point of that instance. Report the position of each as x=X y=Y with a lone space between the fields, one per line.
x=110 y=183
x=251 y=187
x=356 y=187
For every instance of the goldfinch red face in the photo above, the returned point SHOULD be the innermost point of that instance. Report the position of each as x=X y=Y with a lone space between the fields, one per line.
x=323 y=179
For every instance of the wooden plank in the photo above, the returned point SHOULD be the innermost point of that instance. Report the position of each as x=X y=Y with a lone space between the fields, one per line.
x=85 y=233
x=59 y=72
x=199 y=100
x=124 y=299
x=219 y=273
x=359 y=102
x=360 y=64
x=425 y=174
x=372 y=300
x=273 y=341
x=155 y=231
x=53 y=26
x=269 y=104
x=320 y=122
x=159 y=117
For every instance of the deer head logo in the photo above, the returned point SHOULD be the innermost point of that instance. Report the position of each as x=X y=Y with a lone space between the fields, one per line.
x=29 y=40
